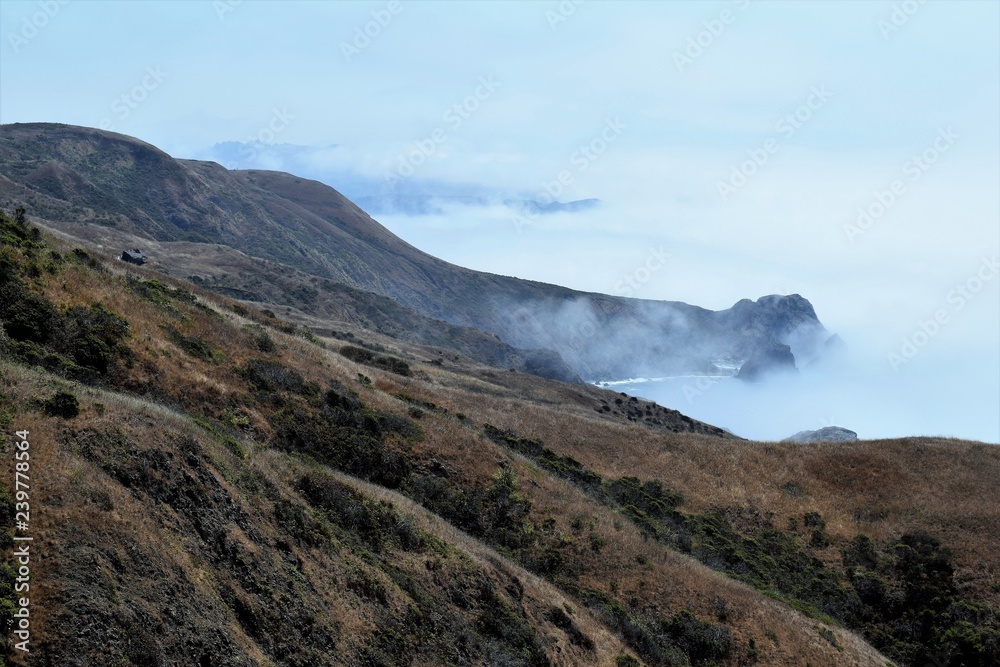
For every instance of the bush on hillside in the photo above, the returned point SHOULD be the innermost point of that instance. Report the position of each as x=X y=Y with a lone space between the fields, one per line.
x=383 y=361
x=62 y=404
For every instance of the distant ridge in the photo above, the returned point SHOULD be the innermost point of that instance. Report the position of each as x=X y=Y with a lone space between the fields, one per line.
x=77 y=177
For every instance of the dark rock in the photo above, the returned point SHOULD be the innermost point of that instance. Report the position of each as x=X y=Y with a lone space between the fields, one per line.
x=134 y=256
x=776 y=357
x=825 y=434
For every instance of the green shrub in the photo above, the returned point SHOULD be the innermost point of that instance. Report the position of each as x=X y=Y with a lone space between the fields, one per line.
x=818 y=539
x=92 y=336
x=369 y=358
x=871 y=589
x=643 y=632
x=349 y=441
x=16 y=231
x=496 y=513
x=261 y=339
x=700 y=640
x=376 y=523
x=860 y=552
x=650 y=497
x=271 y=376
x=499 y=621
x=559 y=618
x=25 y=316
x=231 y=443
x=80 y=343
x=193 y=345
x=912 y=610
x=62 y=404
x=563 y=466
x=769 y=560
x=160 y=293
x=300 y=524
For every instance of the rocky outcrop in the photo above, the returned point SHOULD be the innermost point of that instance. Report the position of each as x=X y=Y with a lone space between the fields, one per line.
x=134 y=256
x=825 y=434
x=775 y=320
x=776 y=357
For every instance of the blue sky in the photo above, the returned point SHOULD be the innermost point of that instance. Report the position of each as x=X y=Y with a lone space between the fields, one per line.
x=806 y=113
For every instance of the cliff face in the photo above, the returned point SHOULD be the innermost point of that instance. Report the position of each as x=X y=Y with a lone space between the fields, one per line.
x=100 y=184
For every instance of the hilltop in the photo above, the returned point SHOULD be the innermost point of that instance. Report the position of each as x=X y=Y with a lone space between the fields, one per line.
x=275 y=238
x=216 y=485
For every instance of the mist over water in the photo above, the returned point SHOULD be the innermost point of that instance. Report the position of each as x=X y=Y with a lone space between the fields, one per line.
x=938 y=393
x=878 y=295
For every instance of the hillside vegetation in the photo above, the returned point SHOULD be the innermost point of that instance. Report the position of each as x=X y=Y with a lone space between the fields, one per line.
x=124 y=193
x=213 y=485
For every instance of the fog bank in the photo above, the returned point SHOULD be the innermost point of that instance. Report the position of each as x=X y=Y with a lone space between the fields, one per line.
x=939 y=392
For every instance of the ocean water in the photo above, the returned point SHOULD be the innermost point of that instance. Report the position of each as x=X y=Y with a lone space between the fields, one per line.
x=943 y=400
x=750 y=411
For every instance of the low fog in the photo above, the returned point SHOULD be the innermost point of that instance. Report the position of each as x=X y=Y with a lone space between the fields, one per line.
x=860 y=173
x=936 y=395
x=921 y=282
x=920 y=324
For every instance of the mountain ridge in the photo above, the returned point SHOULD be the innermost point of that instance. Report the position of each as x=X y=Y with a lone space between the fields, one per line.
x=133 y=187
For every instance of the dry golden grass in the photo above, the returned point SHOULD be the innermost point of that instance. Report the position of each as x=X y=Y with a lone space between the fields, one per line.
x=881 y=488
x=671 y=581
x=539 y=595
x=70 y=498
x=885 y=488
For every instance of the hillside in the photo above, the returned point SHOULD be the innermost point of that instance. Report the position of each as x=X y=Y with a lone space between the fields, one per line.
x=214 y=485
x=110 y=189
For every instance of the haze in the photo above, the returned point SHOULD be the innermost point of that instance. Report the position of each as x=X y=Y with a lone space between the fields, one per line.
x=848 y=152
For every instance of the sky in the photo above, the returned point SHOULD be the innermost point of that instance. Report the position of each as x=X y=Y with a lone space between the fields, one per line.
x=848 y=151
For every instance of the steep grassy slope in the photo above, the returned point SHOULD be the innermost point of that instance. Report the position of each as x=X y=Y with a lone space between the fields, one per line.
x=73 y=176
x=321 y=302
x=232 y=490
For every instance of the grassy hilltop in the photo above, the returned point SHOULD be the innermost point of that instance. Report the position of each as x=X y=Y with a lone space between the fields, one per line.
x=214 y=485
